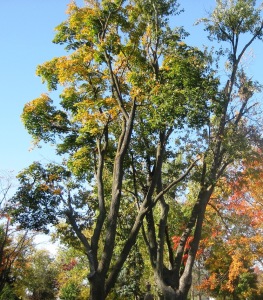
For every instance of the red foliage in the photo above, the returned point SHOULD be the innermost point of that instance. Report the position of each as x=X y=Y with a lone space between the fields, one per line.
x=69 y=266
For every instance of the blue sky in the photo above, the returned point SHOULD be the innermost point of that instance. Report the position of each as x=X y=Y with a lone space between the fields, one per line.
x=26 y=41
x=26 y=35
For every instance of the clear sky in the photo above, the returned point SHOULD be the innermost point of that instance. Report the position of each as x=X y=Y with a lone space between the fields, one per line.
x=27 y=30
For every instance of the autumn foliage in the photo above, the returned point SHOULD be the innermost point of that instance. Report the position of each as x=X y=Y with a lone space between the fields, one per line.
x=234 y=249
x=143 y=118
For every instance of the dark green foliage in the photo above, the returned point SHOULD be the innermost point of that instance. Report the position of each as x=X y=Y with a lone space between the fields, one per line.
x=46 y=194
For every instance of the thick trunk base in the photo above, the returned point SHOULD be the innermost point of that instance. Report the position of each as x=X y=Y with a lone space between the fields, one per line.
x=97 y=291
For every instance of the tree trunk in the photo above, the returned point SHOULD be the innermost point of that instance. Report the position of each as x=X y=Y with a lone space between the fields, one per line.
x=97 y=290
x=175 y=295
x=169 y=293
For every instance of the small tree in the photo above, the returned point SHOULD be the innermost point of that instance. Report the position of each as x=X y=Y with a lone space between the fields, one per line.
x=234 y=246
x=39 y=278
x=13 y=243
x=72 y=274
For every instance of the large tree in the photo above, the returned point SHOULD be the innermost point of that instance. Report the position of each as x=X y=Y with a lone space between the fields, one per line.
x=234 y=129
x=140 y=113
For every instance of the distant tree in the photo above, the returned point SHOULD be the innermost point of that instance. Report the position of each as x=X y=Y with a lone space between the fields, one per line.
x=231 y=251
x=13 y=243
x=39 y=278
x=12 y=250
x=72 y=270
